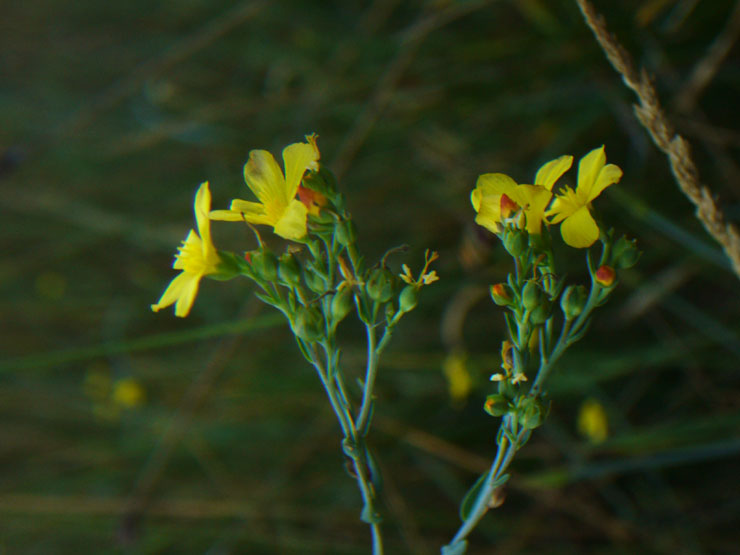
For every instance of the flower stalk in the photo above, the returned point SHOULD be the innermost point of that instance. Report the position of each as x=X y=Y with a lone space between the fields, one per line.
x=538 y=334
x=312 y=285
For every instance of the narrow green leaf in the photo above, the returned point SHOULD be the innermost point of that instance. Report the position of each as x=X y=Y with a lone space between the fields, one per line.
x=470 y=499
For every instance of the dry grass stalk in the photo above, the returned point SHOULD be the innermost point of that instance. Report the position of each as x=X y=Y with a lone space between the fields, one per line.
x=651 y=115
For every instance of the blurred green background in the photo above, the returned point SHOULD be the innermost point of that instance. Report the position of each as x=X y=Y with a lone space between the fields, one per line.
x=127 y=431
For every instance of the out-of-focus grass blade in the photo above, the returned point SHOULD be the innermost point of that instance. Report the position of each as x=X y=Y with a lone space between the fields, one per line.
x=643 y=212
x=673 y=457
x=157 y=341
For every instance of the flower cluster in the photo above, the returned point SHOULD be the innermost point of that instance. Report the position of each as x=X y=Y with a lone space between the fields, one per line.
x=498 y=199
x=539 y=334
x=278 y=207
x=318 y=280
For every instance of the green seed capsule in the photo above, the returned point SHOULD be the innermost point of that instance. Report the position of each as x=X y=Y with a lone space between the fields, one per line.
x=408 y=299
x=515 y=242
x=625 y=253
x=265 y=265
x=307 y=325
x=532 y=295
x=573 y=301
x=289 y=271
x=380 y=285
x=341 y=305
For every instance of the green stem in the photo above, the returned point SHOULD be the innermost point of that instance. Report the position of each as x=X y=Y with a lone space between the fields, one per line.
x=370 y=372
x=570 y=329
x=373 y=353
x=357 y=450
x=504 y=456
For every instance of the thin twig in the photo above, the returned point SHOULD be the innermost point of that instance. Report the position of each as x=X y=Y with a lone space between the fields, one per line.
x=380 y=98
x=650 y=114
x=706 y=68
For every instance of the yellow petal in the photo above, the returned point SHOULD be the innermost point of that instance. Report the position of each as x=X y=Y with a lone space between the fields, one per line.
x=173 y=292
x=265 y=178
x=253 y=212
x=579 y=230
x=563 y=206
x=292 y=224
x=608 y=175
x=202 y=207
x=298 y=158
x=496 y=184
x=549 y=173
x=588 y=170
x=534 y=199
x=226 y=216
x=191 y=250
x=187 y=294
x=475 y=198
x=489 y=213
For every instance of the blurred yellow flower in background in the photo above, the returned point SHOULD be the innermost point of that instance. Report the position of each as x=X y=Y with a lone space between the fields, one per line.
x=127 y=393
x=459 y=383
x=592 y=421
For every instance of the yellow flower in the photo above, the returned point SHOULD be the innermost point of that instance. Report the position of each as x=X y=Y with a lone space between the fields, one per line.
x=277 y=206
x=197 y=257
x=459 y=382
x=128 y=393
x=571 y=207
x=496 y=195
x=425 y=277
x=592 y=421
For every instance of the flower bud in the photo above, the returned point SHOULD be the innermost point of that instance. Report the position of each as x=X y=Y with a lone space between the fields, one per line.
x=380 y=285
x=496 y=405
x=532 y=295
x=289 y=271
x=341 y=305
x=345 y=232
x=541 y=313
x=322 y=181
x=625 y=253
x=507 y=206
x=501 y=294
x=315 y=282
x=605 y=276
x=306 y=324
x=515 y=242
x=408 y=298
x=532 y=413
x=265 y=265
x=573 y=300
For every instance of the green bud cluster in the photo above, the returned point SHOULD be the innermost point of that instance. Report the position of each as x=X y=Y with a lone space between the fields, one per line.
x=538 y=334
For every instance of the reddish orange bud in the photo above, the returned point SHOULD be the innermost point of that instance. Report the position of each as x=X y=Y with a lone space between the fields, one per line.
x=508 y=206
x=313 y=200
x=605 y=276
x=500 y=294
x=248 y=257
